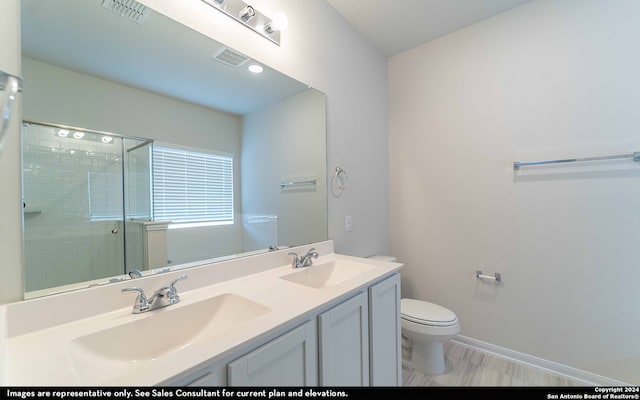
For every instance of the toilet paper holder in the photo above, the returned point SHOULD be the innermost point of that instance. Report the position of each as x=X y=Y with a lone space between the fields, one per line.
x=495 y=277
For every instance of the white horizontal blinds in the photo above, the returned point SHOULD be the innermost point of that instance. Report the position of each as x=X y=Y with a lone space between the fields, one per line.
x=192 y=187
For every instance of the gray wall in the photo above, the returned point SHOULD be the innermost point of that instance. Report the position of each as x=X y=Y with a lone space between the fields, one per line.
x=294 y=150
x=547 y=80
x=322 y=50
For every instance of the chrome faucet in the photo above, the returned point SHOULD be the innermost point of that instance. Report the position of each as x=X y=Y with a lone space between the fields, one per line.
x=165 y=296
x=304 y=261
x=135 y=274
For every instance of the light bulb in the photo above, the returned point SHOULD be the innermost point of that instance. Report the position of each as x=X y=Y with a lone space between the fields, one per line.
x=247 y=13
x=106 y=139
x=256 y=68
x=78 y=135
x=63 y=133
x=279 y=23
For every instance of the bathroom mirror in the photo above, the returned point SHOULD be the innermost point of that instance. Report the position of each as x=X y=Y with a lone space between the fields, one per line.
x=89 y=69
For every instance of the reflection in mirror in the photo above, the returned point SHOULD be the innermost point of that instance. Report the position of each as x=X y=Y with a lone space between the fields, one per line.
x=89 y=215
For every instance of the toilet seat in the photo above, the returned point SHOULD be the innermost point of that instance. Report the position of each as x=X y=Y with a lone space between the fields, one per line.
x=425 y=313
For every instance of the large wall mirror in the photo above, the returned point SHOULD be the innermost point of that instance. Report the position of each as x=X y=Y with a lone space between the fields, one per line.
x=121 y=114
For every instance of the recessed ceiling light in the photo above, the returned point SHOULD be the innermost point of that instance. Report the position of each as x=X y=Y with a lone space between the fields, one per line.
x=256 y=68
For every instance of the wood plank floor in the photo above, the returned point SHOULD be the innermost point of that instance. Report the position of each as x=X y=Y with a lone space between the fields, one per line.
x=469 y=367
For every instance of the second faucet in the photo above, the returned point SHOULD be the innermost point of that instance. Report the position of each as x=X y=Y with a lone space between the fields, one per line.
x=304 y=261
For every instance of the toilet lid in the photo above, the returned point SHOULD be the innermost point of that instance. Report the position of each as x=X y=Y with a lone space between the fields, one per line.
x=423 y=312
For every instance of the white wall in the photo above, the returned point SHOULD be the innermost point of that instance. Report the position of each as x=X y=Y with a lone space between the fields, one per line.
x=294 y=150
x=551 y=79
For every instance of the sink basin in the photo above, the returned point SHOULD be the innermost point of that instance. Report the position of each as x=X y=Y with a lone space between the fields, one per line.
x=159 y=332
x=328 y=274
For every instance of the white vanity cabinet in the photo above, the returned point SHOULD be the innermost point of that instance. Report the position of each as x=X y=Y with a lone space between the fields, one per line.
x=343 y=343
x=355 y=342
x=385 y=333
x=289 y=360
x=359 y=340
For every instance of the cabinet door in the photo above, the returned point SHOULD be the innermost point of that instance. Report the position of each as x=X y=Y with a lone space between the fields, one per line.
x=211 y=375
x=344 y=344
x=385 y=332
x=289 y=360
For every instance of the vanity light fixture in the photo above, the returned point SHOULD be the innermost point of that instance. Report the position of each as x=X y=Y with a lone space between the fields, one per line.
x=78 y=135
x=106 y=139
x=253 y=19
x=63 y=133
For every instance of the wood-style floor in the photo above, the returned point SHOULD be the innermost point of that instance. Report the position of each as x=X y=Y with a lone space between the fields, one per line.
x=469 y=367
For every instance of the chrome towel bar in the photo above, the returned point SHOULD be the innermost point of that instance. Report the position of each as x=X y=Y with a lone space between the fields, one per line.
x=495 y=277
x=635 y=156
x=297 y=183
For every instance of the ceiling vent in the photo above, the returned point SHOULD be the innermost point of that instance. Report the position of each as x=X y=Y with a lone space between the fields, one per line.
x=230 y=57
x=129 y=9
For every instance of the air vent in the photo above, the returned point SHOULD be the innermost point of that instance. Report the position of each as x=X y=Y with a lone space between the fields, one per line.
x=129 y=9
x=230 y=57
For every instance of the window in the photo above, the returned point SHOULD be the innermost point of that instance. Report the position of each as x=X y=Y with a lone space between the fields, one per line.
x=192 y=187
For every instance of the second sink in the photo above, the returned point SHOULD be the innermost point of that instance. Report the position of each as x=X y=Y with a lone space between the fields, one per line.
x=331 y=273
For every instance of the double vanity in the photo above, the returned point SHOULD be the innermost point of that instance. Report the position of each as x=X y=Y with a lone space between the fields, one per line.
x=254 y=321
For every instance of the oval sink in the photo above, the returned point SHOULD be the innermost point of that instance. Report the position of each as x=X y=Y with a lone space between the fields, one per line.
x=160 y=332
x=319 y=276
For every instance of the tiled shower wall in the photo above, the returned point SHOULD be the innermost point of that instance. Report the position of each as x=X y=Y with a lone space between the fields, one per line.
x=62 y=244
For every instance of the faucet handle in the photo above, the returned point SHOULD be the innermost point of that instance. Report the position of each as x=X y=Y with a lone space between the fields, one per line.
x=141 y=304
x=178 y=279
x=173 y=293
x=295 y=261
x=312 y=252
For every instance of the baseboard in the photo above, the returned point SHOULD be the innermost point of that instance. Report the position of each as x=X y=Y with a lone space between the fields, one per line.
x=581 y=376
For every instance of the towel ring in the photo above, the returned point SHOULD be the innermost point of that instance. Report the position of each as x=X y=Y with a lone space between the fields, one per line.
x=341 y=178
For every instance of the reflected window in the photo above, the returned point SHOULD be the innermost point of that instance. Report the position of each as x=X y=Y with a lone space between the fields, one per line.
x=192 y=187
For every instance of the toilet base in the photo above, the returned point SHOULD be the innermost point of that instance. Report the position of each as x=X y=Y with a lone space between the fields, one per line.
x=428 y=357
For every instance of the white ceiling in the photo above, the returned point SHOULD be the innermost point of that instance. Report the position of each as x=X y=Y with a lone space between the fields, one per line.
x=394 y=26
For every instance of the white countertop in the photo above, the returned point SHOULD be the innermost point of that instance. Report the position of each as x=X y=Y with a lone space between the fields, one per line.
x=41 y=357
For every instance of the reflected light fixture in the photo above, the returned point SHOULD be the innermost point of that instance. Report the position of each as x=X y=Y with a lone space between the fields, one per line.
x=256 y=68
x=253 y=19
x=63 y=133
x=106 y=139
x=78 y=135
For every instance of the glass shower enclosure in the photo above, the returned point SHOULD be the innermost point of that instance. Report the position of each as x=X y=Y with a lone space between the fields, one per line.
x=84 y=195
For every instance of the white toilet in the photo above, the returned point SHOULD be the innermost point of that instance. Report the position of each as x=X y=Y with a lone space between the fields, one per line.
x=427 y=326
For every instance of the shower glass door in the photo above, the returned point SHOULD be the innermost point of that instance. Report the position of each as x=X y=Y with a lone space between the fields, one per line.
x=74 y=207
x=137 y=205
